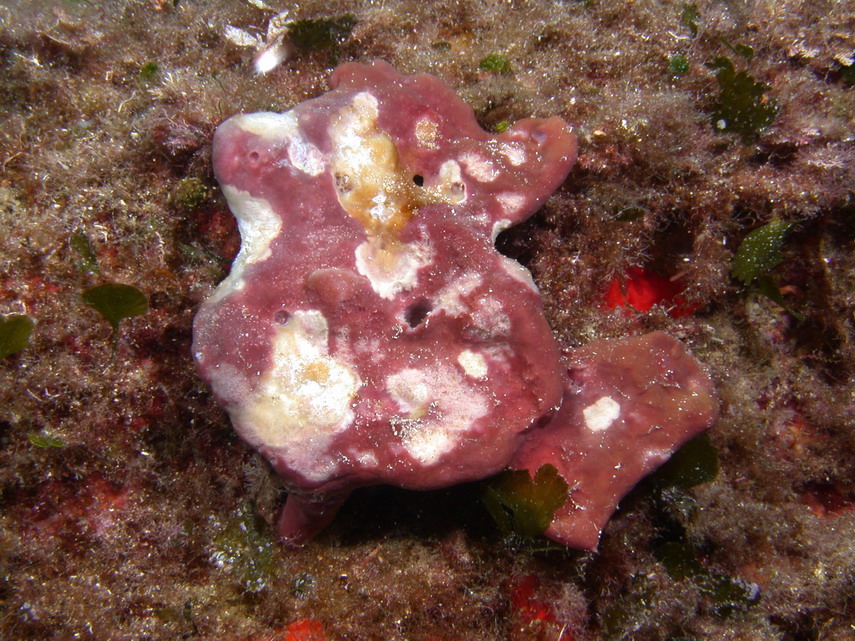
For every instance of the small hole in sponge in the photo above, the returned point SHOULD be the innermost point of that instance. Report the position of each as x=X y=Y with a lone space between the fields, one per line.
x=417 y=312
x=457 y=190
x=419 y=180
x=282 y=316
x=539 y=136
x=342 y=182
x=253 y=156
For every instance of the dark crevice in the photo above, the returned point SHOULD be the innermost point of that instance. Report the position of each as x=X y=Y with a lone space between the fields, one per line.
x=417 y=312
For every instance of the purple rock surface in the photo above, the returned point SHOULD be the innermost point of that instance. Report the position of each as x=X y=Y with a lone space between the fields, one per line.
x=369 y=332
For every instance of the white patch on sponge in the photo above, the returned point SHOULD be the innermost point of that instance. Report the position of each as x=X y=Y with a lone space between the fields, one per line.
x=259 y=225
x=449 y=183
x=512 y=268
x=352 y=131
x=472 y=363
x=600 y=415
x=305 y=397
x=268 y=125
x=306 y=157
x=498 y=227
x=514 y=152
x=365 y=164
x=440 y=406
x=391 y=270
x=450 y=297
x=511 y=202
x=490 y=317
x=481 y=169
x=427 y=132
x=282 y=129
x=518 y=272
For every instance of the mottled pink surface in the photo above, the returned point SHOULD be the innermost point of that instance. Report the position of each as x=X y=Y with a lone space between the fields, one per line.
x=466 y=298
x=370 y=332
x=628 y=405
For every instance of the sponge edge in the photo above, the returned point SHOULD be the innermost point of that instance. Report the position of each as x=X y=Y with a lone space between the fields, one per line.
x=629 y=404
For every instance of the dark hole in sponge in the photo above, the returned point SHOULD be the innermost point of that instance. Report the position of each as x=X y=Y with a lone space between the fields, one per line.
x=419 y=180
x=417 y=312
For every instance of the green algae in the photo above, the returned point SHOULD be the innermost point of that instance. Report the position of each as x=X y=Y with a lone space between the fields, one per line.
x=742 y=106
x=630 y=611
x=40 y=439
x=15 y=332
x=316 y=34
x=678 y=64
x=246 y=546
x=693 y=464
x=689 y=16
x=766 y=286
x=87 y=260
x=190 y=193
x=760 y=251
x=523 y=505
x=116 y=302
x=758 y=254
x=148 y=71
x=495 y=63
x=728 y=594
x=743 y=50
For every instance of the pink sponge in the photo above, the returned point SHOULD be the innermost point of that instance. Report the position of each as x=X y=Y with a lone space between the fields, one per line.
x=628 y=405
x=369 y=332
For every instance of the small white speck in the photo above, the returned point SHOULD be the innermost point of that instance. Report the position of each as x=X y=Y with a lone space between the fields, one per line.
x=271 y=56
x=514 y=152
x=472 y=363
x=600 y=415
